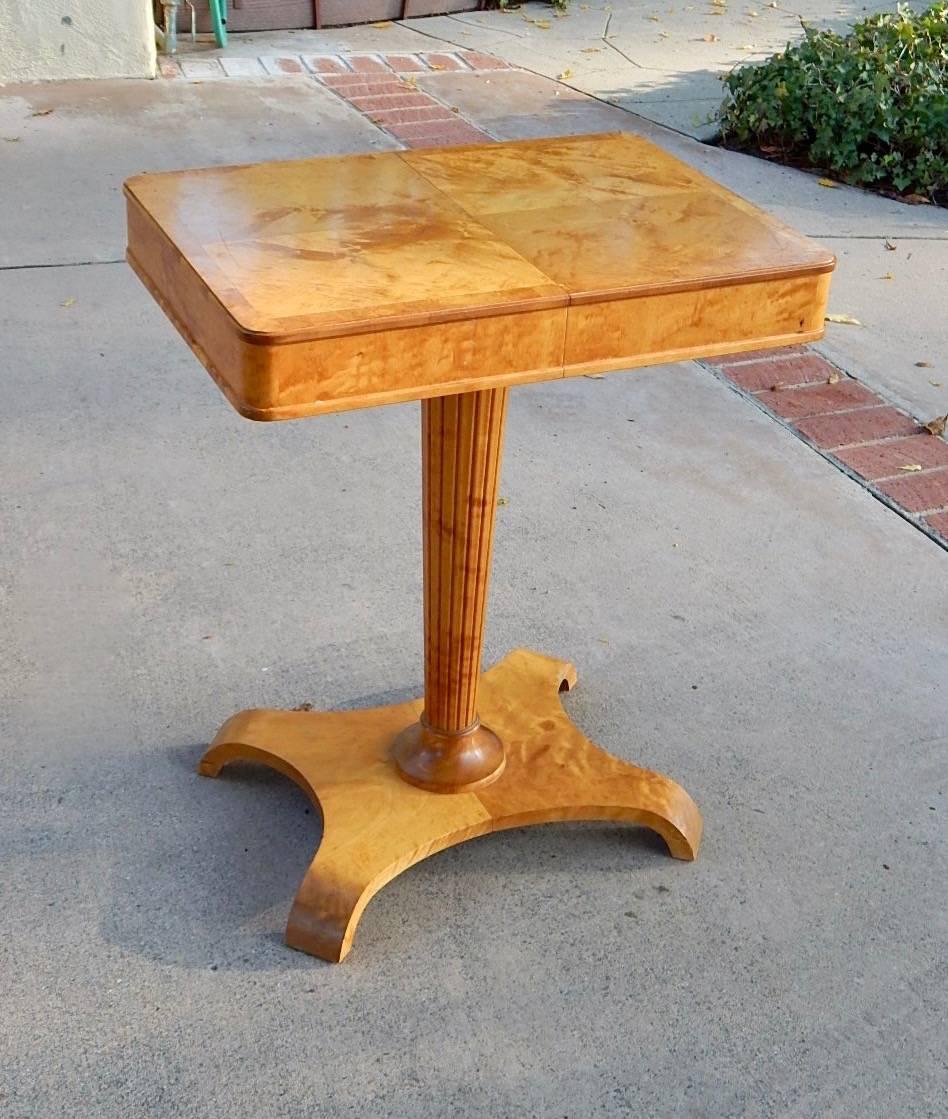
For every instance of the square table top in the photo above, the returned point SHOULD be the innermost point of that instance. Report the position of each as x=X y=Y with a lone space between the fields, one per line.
x=409 y=261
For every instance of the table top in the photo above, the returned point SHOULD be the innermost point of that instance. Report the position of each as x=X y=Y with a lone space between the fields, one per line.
x=424 y=252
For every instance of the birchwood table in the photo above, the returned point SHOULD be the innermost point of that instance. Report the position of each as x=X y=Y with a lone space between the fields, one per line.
x=447 y=276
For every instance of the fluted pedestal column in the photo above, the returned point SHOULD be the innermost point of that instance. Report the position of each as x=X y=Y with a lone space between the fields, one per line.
x=449 y=749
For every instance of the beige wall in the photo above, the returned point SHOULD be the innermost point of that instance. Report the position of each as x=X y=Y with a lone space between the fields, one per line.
x=42 y=39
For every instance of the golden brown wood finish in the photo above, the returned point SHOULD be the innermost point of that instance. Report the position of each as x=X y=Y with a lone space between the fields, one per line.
x=324 y=284
x=375 y=825
x=462 y=438
x=447 y=276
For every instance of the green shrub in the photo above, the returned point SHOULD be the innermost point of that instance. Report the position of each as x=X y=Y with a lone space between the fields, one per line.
x=871 y=107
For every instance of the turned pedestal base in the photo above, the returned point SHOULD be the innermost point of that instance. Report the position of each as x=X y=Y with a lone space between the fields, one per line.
x=376 y=824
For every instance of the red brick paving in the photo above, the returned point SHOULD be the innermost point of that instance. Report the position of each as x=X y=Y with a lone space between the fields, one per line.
x=355 y=85
x=864 y=426
x=816 y=400
x=841 y=416
x=416 y=118
x=478 y=61
x=798 y=369
x=283 y=65
x=365 y=64
x=349 y=81
x=390 y=101
x=919 y=492
x=388 y=117
x=405 y=63
x=353 y=66
x=168 y=67
x=443 y=62
x=432 y=134
x=887 y=459
x=326 y=64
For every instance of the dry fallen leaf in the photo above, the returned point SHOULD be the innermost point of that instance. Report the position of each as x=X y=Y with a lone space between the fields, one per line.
x=833 y=378
x=503 y=500
x=41 y=112
x=827 y=183
x=937 y=425
x=567 y=73
x=594 y=376
x=304 y=706
x=937 y=384
x=887 y=244
x=711 y=38
x=411 y=81
x=911 y=467
x=381 y=24
x=590 y=50
x=67 y=302
x=887 y=276
x=915 y=199
x=924 y=364
x=847 y=320
x=655 y=19
x=436 y=66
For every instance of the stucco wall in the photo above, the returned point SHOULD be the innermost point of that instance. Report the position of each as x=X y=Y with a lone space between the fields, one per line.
x=42 y=39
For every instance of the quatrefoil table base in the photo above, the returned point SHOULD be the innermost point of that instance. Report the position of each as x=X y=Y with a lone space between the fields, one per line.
x=375 y=824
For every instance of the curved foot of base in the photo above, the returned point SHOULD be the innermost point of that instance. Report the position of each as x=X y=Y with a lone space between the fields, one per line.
x=375 y=824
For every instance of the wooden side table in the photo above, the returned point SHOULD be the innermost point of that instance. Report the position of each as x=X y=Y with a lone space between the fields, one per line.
x=447 y=276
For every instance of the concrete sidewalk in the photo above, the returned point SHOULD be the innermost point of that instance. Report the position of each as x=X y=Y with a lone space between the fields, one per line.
x=744 y=617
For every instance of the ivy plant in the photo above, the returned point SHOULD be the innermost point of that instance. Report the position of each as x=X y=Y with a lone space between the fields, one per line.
x=870 y=107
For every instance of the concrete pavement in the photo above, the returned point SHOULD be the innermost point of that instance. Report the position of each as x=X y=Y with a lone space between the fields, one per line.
x=744 y=617
x=661 y=60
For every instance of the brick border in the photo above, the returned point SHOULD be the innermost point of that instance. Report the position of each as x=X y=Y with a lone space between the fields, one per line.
x=881 y=447
x=413 y=117
x=381 y=86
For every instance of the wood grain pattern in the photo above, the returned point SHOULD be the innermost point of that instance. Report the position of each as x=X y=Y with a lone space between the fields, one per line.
x=615 y=215
x=319 y=285
x=376 y=825
x=689 y=324
x=462 y=439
